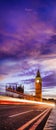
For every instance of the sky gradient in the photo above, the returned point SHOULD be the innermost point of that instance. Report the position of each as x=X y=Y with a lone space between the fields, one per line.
x=28 y=43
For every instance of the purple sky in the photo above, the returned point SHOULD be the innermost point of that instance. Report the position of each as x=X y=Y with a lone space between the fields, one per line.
x=28 y=42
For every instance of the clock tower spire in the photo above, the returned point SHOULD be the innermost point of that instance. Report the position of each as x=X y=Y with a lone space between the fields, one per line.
x=38 y=86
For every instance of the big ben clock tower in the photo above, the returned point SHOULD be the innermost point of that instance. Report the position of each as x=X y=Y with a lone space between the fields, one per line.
x=38 y=87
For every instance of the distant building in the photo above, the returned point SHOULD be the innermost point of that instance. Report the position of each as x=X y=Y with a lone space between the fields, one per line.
x=15 y=90
x=18 y=91
x=38 y=86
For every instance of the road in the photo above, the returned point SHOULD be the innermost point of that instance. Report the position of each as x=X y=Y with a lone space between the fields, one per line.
x=22 y=116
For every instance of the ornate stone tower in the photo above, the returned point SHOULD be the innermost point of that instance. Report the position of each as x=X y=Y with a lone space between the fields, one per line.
x=38 y=87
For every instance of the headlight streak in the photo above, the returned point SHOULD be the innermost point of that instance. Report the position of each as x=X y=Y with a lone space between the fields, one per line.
x=10 y=99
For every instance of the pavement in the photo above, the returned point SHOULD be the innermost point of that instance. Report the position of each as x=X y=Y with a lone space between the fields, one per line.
x=51 y=122
x=23 y=116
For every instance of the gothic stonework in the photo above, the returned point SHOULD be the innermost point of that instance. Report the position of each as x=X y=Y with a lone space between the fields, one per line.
x=38 y=87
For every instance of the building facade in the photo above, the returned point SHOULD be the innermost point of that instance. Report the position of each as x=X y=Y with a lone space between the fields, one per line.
x=38 y=87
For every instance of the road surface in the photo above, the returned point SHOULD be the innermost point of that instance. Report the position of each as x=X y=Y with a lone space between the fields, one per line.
x=22 y=116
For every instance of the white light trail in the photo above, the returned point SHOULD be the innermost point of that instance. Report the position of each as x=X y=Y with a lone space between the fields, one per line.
x=10 y=99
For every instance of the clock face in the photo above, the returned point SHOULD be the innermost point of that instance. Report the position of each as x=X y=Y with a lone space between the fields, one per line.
x=37 y=81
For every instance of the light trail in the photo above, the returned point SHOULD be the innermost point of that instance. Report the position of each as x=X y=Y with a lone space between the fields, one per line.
x=10 y=99
x=44 y=113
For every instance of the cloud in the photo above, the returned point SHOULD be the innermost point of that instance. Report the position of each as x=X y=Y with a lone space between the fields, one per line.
x=50 y=92
x=32 y=36
x=28 y=9
x=49 y=80
x=29 y=48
